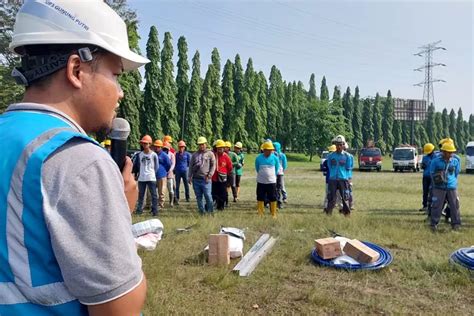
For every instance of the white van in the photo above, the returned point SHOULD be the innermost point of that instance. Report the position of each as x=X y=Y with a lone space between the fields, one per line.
x=470 y=157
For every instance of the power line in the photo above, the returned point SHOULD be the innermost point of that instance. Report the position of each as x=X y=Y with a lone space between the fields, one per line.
x=427 y=51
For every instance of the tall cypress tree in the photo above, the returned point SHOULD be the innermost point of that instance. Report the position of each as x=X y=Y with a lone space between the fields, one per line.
x=130 y=82
x=299 y=109
x=312 y=88
x=377 y=119
x=206 y=103
x=357 y=141
x=471 y=127
x=237 y=128
x=262 y=102
x=421 y=137
x=452 y=126
x=253 y=125
x=387 y=121
x=274 y=100
x=291 y=115
x=445 y=120
x=182 y=83
x=348 y=110
x=193 y=124
x=217 y=110
x=336 y=111
x=397 y=133
x=150 y=118
x=406 y=130
x=431 y=124
x=324 y=90
x=169 y=117
x=460 y=135
x=367 y=122
x=438 y=128
x=228 y=99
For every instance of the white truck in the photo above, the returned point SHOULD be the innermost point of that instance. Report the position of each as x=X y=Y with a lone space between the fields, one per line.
x=470 y=157
x=406 y=158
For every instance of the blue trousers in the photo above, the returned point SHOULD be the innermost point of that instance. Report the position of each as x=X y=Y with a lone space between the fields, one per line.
x=203 y=189
x=142 y=185
x=180 y=175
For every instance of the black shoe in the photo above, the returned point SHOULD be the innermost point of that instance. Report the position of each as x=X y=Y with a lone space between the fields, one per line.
x=434 y=228
x=456 y=227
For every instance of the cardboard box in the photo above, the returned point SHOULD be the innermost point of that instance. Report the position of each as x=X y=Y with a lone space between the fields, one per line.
x=219 y=252
x=360 y=252
x=328 y=248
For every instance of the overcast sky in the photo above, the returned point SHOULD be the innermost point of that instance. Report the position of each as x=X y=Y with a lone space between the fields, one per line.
x=366 y=43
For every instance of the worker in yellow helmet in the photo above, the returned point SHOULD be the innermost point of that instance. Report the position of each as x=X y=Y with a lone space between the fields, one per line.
x=428 y=155
x=267 y=166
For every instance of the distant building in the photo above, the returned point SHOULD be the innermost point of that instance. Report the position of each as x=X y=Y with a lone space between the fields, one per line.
x=407 y=110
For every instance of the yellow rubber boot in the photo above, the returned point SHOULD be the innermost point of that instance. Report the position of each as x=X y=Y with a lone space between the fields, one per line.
x=260 y=208
x=273 y=209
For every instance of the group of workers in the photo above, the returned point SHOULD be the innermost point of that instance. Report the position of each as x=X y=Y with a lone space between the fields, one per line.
x=211 y=172
x=440 y=181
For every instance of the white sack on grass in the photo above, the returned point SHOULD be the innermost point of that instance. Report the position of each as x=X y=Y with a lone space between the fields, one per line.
x=236 y=240
x=149 y=226
x=148 y=241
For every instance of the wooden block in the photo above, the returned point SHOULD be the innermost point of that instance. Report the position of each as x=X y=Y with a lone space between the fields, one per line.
x=328 y=248
x=219 y=249
x=360 y=252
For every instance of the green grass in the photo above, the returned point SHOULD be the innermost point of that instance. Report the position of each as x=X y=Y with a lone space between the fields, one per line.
x=419 y=281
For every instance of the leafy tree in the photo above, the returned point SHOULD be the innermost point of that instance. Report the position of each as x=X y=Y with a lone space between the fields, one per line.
x=206 y=103
x=445 y=120
x=406 y=131
x=471 y=127
x=367 y=122
x=460 y=135
x=193 y=124
x=397 y=133
x=324 y=90
x=318 y=128
x=348 y=110
x=169 y=117
x=286 y=137
x=312 y=88
x=357 y=140
x=431 y=128
x=182 y=82
x=377 y=119
x=452 y=126
x=300 y=104
x=150 y=122
x=217 y=109
x=237 y=128
x=421 y=137
x=262 y=102
x=228 y=98
x=276 y=96
x=253 y=125
x=438 y=128
x=387 y=121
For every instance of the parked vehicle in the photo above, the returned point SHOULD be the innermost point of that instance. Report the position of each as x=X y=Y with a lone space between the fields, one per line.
x=406 y=158
x=470 y=157
x=324 y=156
x=370 y=158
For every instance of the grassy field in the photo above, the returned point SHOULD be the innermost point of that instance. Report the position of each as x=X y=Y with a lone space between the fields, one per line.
x=420 y=279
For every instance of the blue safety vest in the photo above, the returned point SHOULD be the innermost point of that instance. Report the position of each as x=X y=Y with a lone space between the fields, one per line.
x=31 y=282
x=340 y=165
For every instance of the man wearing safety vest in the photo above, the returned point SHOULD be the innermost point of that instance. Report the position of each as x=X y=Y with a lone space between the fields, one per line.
x=66 y=244
x=340 y=171
x=428 y=155
x=444 y=171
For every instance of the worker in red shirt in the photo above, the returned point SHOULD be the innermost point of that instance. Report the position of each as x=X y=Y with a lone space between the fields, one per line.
x=223 y=171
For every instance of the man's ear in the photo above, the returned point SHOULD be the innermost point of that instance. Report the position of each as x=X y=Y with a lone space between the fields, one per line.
x=74 y=71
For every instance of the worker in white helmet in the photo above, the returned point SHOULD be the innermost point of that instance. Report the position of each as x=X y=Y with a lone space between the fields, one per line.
x=69 y=248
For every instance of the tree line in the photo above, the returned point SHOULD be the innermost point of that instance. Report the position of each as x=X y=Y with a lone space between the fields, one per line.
x=239 y=104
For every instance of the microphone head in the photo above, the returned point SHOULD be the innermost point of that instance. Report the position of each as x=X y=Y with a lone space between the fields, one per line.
x=120 y=129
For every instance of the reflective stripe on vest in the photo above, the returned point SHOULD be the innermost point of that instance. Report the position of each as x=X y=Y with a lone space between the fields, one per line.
x=29 y=272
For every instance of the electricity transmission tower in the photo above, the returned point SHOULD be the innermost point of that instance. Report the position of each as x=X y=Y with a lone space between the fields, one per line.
x=427 y=51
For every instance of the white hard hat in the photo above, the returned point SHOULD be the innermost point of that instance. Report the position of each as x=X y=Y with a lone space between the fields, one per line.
x=74 y=22
x=339 y=139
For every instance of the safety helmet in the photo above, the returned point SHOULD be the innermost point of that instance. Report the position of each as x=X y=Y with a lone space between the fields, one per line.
x=166 y=145
x=107 y=142
x=146 y=139
x=445 y=140
x=428 y=148
x=90 y=22
x=228 y=144
x=220 y=143
x=332 y=148
x=158 y=143
x=201 y=140
x=102 y=144
x=238 y=145
x=449 y=147
x=267 y=146
x=168 y=139
x=339 y=139
x=181 y=143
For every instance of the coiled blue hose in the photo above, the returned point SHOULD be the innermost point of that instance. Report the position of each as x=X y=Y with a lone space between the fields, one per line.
x=464 y=257
x=384 y=260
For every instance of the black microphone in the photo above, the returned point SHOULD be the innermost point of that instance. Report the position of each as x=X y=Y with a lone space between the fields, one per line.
x=118 y=136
